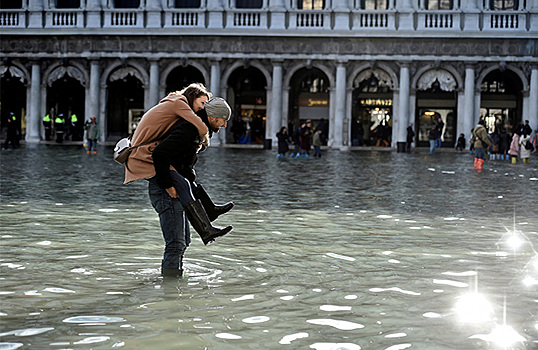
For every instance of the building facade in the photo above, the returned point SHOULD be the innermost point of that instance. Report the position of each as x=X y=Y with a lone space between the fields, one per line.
x=366 y=68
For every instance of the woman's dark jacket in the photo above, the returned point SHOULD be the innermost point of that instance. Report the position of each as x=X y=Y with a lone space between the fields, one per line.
x=283 y=140
x=178 y=149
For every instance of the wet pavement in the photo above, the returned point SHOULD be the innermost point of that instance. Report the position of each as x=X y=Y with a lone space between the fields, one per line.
x=356 y=250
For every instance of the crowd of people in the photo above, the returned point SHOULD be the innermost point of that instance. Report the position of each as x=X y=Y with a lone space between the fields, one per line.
x=302 y=139
x=501 y=145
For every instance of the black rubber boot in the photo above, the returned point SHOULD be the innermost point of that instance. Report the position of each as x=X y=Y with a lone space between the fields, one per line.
x=213 y=211
x=171 y=272
x=200 y=221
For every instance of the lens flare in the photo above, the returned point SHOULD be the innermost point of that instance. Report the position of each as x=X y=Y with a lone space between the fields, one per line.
x=473 y=308
x=504 y=337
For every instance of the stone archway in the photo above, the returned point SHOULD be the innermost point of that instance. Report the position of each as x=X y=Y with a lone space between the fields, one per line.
x=436 y=99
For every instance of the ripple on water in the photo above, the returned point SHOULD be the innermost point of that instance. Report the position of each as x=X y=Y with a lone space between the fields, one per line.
x=10 y=346
x=26 y=332
x=256 y=319
x=342 y=325
x=286 y=340
x=228 y=336
x=335 y=346
x=93 y=319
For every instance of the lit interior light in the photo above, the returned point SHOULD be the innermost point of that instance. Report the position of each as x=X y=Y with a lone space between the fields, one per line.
x=473 y=308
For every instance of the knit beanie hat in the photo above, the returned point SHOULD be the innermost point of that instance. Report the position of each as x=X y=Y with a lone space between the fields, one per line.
x=217 y=107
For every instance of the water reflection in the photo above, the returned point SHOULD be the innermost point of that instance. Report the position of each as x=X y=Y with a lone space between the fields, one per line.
x=351 y=251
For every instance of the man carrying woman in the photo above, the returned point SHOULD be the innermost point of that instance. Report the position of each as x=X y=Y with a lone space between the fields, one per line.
x=170 y=136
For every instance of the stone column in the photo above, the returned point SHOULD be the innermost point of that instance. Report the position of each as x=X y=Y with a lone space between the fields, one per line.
x=93 y=14
x=35 y=14
x=533 y=9
x=153 y=83
x=341 y=15
x=275 y=121
x=340 y=105
x=471 y=15
x=469 y=101
x=33 y=119
x=153 y=14
x=93 y=98
x=533 y=99
x=405 y=15
x=215 y=10
x=403 y=99
x=277 y=11
x=214 y=87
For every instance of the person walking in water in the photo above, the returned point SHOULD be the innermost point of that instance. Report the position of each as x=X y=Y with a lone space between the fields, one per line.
x=481 y=144
x=173 y=193
x=92 y=134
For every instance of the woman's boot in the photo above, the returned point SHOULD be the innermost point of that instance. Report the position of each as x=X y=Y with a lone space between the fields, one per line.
x=200 y=221
x=213 y=211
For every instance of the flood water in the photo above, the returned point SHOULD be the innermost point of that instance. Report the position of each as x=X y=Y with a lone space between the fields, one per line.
x=359 y=250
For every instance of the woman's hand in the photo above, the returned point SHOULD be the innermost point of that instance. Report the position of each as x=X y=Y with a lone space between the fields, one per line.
x=204 y=139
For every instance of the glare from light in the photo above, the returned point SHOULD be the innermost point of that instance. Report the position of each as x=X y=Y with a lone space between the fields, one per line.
x=473 y=308
x=503 y=336
x=514 y=241
x=530 y=281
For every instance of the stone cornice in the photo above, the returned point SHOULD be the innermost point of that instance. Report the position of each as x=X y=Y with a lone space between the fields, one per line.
x=270 y=48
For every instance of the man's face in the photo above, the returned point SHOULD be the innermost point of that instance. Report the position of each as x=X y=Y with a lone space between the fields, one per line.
x=199 y=103
x=217 y=123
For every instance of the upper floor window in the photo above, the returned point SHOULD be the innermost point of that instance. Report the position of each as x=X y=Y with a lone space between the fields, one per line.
x=374 y=4
x=248 y=4
x=11 y=4
x=439 y=4
x=187 y=4
x=67 y=4
x=503 y=4
x=126 y=4
x=310 y=4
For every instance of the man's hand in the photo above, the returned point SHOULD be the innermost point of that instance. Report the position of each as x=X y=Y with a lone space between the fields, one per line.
x=172 y=192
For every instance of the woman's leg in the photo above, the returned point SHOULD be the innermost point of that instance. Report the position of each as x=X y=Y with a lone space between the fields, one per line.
x=183 y=188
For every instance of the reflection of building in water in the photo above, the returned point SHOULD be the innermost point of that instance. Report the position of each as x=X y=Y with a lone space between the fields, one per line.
x=352 y=63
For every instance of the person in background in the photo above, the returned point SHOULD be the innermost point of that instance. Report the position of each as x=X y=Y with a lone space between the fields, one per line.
x=432 y=136
x=306 y=139
x=460 y=145
x=440 y=126
x=535 y=140
x=59 y=128
x=504 y=143
x=481 y=144
x=12 y=132
x=92 y=134
x=283 y=140
x=316 y=142
x=410 y=137
x=47 y=125
x=514 y=146
x=526 y=148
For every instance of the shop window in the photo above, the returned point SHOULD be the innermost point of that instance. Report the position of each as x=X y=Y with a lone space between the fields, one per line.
x=10 y=4
x=439 y=4
x=126 y=4
x=503 y=4
x=187 y=4
x=67 y=4
x=310 y=4
x=374 y=4
x=248 y=4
